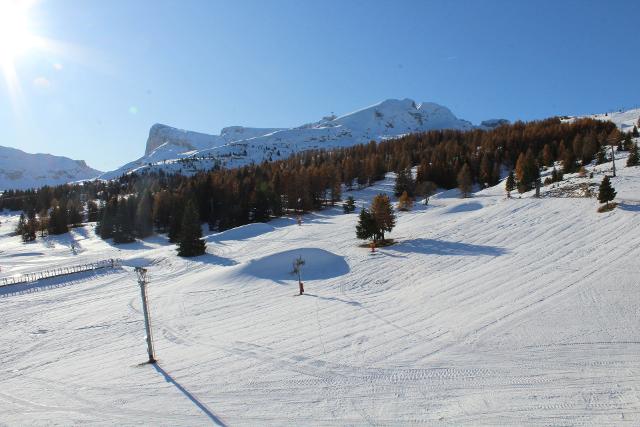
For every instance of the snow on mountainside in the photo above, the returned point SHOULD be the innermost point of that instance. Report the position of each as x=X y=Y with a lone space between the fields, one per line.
x=162 y=135
x=175 y=150
x=625 y=120
x=20 y=170
x=487 y=311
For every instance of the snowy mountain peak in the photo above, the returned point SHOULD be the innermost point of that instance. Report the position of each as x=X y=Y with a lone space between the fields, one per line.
x=186 y=140
x=168 y=148
x=20 y=170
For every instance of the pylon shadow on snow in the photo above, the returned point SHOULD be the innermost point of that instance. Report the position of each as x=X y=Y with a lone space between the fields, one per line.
x=354 y=303
x=168 y=378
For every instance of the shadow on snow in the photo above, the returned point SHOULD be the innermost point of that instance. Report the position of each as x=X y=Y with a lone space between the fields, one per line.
x=629 y=207
x=319 y=265
x=168 y=378
x=442 y=247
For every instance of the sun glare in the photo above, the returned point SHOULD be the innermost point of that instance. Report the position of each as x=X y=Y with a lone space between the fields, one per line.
x=16 y=39
x=15 y=32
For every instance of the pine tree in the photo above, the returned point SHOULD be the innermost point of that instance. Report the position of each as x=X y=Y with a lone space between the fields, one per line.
x=366 y=226
x=92 y=211
x=527 y=171
x=21 y=226
x=349 y=205
x=633 y=160
x=29 y=234
x=336 y=192
x=106 y=226
x=43 y=222
x=510 y=184
x=190 y=241
x=634 y=132
x=404 y=182
x=382 y=213
x=486 y=171
x=405 y=202
x=123 y=224
x=464 y=181
x=260 y=203
x=606 y=192
x=547 y=156
x=74 y=214
x=568 y=161
x=57 y=220
x=627 y=143
x=144 y=216
x=601 y=156
x=161 y=210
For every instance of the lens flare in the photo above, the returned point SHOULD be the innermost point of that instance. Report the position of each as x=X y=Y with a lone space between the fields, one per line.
x=15 y=29
x=16 y=38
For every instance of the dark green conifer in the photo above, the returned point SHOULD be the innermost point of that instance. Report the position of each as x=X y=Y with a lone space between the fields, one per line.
x=366 y=227
x=190 y=242
x=633 y=160
x=606 y=192
x=349 y=205
x=510 y=184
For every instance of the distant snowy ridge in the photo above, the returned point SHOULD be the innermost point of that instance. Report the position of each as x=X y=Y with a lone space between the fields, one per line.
x=20 y=170
x=175 y=150
x=160 y=135
x=625 y=120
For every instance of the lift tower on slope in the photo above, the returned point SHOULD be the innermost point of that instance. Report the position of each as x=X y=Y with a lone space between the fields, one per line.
x=142 y=281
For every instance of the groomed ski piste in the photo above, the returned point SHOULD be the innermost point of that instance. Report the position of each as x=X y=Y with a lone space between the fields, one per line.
x=487 y=311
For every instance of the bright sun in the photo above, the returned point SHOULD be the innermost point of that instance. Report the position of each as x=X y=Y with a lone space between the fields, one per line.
x=16 y=38
x=15 y=32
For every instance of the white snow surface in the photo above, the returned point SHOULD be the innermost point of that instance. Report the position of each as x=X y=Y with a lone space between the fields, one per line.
x=20 y=170
x=625 y=120
x=169 y=148
x=487 y=311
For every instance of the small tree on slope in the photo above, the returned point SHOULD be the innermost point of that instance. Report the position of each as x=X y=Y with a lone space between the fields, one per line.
x=21 y=226
x=190 y=241
x=464 y=181
x=349 y=206
x=404 y=202
x=510 y=185
x=633 y=159
x=606 y=192
x=382 y=213
x=366 y=227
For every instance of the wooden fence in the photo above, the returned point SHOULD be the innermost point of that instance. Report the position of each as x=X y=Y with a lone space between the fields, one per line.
x=57 y=272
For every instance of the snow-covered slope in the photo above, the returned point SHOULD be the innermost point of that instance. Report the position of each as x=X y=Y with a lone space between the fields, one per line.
x=625 y=120
x=184 y=140
x=20 y=170
x=487 y=311
x=236 y=146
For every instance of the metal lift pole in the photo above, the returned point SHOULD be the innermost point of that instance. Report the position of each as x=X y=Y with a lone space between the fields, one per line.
x=142 y=281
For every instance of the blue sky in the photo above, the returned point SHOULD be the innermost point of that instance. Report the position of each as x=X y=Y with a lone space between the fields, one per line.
x=202 y=65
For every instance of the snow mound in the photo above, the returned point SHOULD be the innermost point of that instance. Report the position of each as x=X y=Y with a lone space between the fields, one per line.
x=465 y=207
x=243 y=232
x=319 y=265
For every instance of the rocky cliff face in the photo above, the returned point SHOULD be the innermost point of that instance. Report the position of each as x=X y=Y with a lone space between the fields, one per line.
x=181 y=151
x=161 y=135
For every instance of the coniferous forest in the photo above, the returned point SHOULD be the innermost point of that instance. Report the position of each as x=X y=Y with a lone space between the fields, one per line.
x=134 y=206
